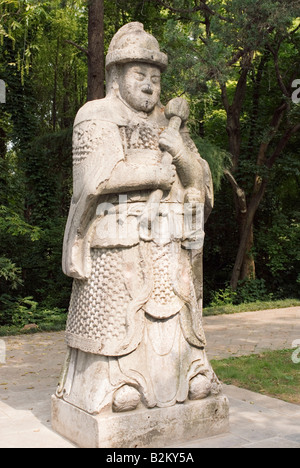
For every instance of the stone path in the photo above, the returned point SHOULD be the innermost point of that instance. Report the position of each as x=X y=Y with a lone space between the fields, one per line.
x=251 y=332
x=33 y=363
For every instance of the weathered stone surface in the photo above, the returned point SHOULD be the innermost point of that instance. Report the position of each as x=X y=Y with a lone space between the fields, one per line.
x=142 y=428
x=133 y=244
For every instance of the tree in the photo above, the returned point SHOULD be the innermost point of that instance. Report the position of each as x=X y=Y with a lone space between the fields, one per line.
x=235 y=45
x=95 y=50
x=96 y=69
x=101 y=28
x=234 y=61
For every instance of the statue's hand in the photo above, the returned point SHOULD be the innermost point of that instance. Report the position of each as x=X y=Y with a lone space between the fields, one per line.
x=171 y=141
x=166 y=176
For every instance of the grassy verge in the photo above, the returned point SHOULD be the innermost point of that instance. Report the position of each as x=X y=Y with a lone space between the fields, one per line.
x=250 y=307
x=272 y=373
x=57 y=322
x=41 y=327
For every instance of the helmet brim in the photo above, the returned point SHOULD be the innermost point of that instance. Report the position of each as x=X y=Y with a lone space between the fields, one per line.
x=120 y=56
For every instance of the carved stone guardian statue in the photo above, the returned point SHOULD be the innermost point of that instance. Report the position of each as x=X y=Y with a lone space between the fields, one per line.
x=136 y=373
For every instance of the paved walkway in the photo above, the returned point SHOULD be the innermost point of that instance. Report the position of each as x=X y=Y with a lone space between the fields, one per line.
x=251 y=332
x=33 y=364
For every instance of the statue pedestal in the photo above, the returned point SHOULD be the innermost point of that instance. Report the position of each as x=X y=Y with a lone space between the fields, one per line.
x=142 y=428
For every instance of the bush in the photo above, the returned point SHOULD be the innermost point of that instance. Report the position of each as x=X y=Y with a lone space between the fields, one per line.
x=25 y=311
x=10 y=274
x=251 y=291
x=223 y=297
x=248 y=291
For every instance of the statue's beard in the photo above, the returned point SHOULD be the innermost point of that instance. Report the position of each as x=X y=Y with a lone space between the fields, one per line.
x=141 y=102
x=146 y=104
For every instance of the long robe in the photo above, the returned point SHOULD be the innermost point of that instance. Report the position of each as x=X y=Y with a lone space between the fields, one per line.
x=135 y=314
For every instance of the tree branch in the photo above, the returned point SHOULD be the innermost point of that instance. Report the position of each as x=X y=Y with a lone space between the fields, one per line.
x=240 y=193
x=203 y=40
x=82 y=49
x=202 y=7
x=252 y=209
x=274 y=126
x=241 y=87
x=277 y=70
x=295 y=30
x=282 y=144
x=256 y=101
x=224 y=97
x=237 y=56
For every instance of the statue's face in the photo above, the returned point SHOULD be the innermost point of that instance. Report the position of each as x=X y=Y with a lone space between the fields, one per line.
x=139 y=86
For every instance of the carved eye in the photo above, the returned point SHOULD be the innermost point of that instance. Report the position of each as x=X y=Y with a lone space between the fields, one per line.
x=155 y=79
x=139 y=76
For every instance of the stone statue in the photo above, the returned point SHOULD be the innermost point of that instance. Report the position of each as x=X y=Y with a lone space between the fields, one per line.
x=133 y=244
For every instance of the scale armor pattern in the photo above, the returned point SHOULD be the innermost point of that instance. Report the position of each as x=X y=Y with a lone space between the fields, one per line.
x=163 y=291
x=98 y=305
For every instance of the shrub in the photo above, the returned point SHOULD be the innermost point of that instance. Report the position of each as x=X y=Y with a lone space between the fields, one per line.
x=252 y=290
x=248 y=291
x=19 y=312
x=223 y=297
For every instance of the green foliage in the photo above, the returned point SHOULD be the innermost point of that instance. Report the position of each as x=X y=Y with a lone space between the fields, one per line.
x=250 y=307
x=282 y=244
x=223 y=297
x=19 y=312
x=46 y=78
x=48 y=165
x=248 y=291
x=10 y=273
x=252 y=291
x=217 y=158
x=13 y=224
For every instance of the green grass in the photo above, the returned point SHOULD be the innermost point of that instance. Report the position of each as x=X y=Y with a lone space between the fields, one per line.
x=250 y=307
x=57 y=325
x=57 y=322
x=271 y=373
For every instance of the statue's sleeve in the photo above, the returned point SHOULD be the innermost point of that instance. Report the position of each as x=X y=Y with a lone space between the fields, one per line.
x=207 y=177
x=209 y=189
x=197 y=254
x=97 y=149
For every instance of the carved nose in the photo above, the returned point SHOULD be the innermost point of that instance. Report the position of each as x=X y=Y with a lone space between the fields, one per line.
x=147 y=89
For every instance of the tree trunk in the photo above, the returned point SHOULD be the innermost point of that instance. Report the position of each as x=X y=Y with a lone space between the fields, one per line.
x=96 y=67
x=55 y=84
x=3 y=148
x=234 y=135
x=248 y=270
x=244 y=263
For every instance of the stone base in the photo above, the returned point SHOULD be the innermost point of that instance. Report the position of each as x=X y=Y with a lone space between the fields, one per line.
x=142 y=428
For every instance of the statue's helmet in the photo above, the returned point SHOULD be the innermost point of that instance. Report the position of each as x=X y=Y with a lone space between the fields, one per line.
x=133 y=44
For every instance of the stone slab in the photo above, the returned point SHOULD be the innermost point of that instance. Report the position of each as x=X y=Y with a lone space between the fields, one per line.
x=156 y=427
x=275 y=442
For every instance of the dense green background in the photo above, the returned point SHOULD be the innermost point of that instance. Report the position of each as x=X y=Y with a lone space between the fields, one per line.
x=234 y=61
